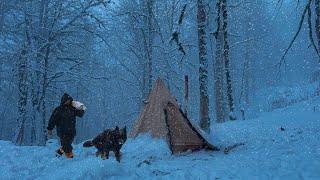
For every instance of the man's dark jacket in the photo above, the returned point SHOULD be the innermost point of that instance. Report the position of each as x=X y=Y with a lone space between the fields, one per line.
x=64 y=118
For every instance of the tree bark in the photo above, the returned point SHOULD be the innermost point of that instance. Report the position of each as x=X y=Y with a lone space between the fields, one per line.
x=246 y=72
x=42 y=105
x=23 y=97
x=2 y=12
x=148 y=34
x=203 y=69
x=218 y=68
x=227 y=60
x=317 y=10
x=150 y=40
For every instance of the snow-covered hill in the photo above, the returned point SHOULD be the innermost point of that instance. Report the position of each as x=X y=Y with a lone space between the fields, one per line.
x=268 y=153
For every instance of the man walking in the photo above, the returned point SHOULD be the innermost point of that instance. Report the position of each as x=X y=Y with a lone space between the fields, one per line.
x=64 y=119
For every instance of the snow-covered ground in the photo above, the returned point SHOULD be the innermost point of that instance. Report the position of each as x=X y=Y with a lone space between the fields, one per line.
x=268 y=153
x=268 y=99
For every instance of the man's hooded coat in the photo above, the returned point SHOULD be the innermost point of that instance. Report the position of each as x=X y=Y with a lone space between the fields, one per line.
x=64 y=118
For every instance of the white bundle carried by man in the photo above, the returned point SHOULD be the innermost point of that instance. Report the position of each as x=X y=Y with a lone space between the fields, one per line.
x=78 y=105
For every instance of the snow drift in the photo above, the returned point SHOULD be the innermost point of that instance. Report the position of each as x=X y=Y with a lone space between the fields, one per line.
x=283 y=144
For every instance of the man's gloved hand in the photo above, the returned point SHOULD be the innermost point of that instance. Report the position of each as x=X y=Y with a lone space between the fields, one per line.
x=78 y=105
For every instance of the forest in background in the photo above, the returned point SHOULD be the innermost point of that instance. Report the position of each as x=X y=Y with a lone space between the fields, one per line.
x=241 y=57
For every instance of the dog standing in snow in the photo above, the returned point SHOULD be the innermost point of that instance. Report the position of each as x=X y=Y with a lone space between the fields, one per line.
x=109 y=140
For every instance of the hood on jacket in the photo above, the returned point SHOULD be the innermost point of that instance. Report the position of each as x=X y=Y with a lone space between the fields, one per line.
x=65 y=98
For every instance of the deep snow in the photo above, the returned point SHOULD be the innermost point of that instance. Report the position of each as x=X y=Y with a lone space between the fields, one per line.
x=268 y=153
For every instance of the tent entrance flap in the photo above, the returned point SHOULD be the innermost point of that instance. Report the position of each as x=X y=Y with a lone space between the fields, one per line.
x=169 y=133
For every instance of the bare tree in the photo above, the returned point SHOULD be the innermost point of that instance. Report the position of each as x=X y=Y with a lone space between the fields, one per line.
x=51 y=28
x=306 y=15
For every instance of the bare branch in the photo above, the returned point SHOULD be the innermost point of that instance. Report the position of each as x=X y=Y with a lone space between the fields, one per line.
x=282 y=60
x=310 y=32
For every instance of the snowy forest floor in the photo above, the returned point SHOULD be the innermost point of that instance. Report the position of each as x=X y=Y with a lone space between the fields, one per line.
x=283 y=144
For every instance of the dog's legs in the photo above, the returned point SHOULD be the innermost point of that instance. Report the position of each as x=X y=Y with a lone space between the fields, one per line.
x=98 y=153
x=117 y=155
x=99 y=150
x=105 y=155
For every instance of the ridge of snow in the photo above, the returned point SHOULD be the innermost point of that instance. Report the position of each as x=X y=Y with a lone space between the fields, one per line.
x=283 y=144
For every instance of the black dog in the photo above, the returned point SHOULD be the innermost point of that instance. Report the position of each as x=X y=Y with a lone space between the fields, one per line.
x=109 y=140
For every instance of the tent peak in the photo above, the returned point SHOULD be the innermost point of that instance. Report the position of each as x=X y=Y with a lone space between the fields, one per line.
x=159 y=81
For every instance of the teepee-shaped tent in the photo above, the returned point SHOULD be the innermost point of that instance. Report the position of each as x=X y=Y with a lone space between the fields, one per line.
x=163 y=118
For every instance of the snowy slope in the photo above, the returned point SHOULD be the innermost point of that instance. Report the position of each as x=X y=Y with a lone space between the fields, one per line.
x=275 y=97
x=268 y=153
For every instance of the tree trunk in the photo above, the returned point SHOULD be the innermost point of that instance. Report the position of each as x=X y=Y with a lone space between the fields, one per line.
x=23 y=62
x=42 y=105
x=218 y=69
x=148 y=33
x=150 y=39
x=2 y=11
x=23 y=97
x=317 y=7
x=227 y=60
x=246 y=72
x=203 y=69
x=34 y=101
x=45 y=53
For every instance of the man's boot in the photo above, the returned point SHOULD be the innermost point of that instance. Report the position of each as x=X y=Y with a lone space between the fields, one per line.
x=59 y=152
x=69 y=155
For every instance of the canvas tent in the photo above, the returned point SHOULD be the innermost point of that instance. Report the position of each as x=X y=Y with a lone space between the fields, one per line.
x=162 y=117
